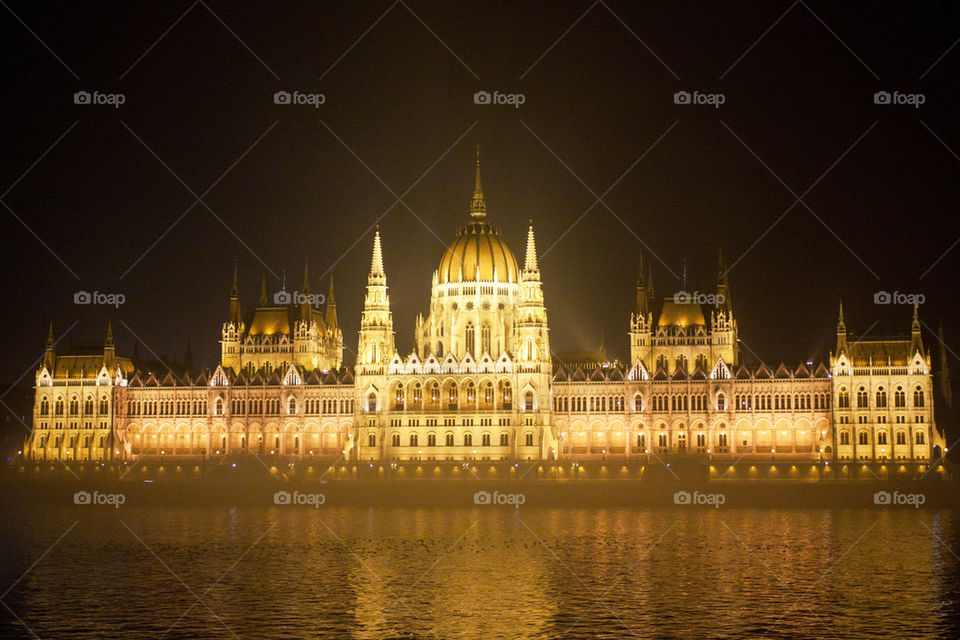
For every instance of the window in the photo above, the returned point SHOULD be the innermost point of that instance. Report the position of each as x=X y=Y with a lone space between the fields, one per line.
x=431 y=439
x=918 y=397
x=882 y=437
x=899 y=399
x=470 y=338
x=528 y=440
x=881 y=398
x=861 y=398
x=641 y=442
x=218 y=407
x=468 y=439
x=88 y=405
x=901 y=437
x=721 y=403
x=920 y=438
x=843 y=399
x=440 y=349
x=372 y=402
x=292 y=406
x=75 y=406
x=44 y=407
x=504 y=440
x=371 y=440
x=528 y=401
x=449 y=439
x=863 y=438
x=485 y=440
x=844 y=437
x=413 y=440
x=485 y=338
x=395 y=440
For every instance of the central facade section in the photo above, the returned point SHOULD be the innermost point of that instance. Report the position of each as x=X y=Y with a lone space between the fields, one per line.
x=477 y=385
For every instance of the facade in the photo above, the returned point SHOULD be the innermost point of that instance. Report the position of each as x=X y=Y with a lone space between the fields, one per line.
x=482 y=383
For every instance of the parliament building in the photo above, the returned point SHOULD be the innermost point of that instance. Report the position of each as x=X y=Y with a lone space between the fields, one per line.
x=482 y=383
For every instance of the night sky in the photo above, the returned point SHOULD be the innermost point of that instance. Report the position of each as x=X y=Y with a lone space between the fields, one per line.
x=104 y=198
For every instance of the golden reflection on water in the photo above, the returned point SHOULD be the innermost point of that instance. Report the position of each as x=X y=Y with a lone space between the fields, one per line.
x=493 y=572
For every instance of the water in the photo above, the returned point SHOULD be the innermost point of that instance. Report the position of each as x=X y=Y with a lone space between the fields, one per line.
x=479 y=572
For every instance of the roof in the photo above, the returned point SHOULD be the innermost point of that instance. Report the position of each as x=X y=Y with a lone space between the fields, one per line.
x=478 y=254
x=895 y=351
x=680 y=314
x=87 y=366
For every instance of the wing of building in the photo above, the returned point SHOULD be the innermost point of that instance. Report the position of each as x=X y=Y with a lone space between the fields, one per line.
x=483 y=384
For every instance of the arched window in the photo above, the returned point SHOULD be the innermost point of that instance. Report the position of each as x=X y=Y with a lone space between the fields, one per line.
x=440 y=349
x=843 y=399
x=528 y=439
x=372 y=402
x=901 y=437
x=104 y=405
x=899 y=398
x=844 y=437
x=218 y=407
x=920 y=438
x=431 y=439
x=395 y=439
x=641 y=442
x=882 y=437
x=528 y=401
x=413 y=440
x=74 y=406
x=861 y=398
x=485 y=440
x=435 y=392
x=504 y=440
x=682 y=363
x=469 y=335
x=485 y=338
x=881 y=398
x=449 y=439
x=918 y=397
x=468 y=439
x=44 y=406
x=721 y=402
x=638 y=402
x=863 y=438
x=372 y=440
x=88 y=405
x=292 y=406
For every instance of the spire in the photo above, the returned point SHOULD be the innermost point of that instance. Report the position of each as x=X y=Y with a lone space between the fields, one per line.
x=376 y=263
x=915 y=326
x=235 y=298
x=721 y=269
x=306 y=277
x=331 y=315
x=531 y=261
x=235 y=292
x=109 y=341
x=915 y=331
x=109 y=353
x=841 y=325
x=50 y=341
x=642 y=302
x=478 y=206
x=841 y=332
x=263 y=290
x=50 y=353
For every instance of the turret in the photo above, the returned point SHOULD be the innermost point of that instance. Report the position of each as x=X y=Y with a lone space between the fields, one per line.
x=50 y=352
x=109 y=350
x=331 y=311
x=376 y=344
x=841 y=333
x=641 y=319
x=533 y=342
x=916 y=332
x=305 y=307
x=235 y=299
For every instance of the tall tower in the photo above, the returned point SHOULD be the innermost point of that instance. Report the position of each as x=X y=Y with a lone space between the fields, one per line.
x=641 y=320
x=376 y=344
x=723 y=334
x=232 y=330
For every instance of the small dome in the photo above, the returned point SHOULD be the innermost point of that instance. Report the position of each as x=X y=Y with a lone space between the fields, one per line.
x=679 y=314
x=476 y=253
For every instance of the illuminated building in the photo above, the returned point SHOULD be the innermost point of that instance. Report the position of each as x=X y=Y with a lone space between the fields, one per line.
x=482 y=383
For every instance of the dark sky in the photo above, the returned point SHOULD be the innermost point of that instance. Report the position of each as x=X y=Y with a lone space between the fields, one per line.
x=880 y=183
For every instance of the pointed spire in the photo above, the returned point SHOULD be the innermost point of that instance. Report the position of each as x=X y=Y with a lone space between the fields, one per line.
x=331 y=314
x=642 y=301
x=915 y=326
x=478 y=206
x=841 y=325
x=376 y=263
x=50 y=341
x=109 y=341
x=531 y=261
x=263 y=290
x=721 y=268
x=306 y=276
x=235 y=298
x=235 y=292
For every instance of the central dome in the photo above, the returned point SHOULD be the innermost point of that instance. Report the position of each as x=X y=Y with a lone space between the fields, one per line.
x=478 y=254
